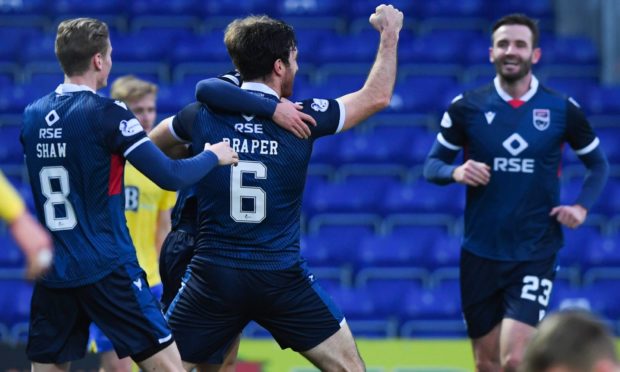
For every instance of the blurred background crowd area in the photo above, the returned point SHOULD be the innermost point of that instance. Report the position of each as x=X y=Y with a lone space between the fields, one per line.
x=380 y=239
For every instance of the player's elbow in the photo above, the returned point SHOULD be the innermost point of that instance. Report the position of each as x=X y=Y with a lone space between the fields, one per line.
x=382 y=101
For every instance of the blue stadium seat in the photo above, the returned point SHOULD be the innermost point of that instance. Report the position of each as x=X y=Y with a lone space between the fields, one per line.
x=604 y=100
x=388 y=285
x=575 y=243
x=10 y=8
x=355 y=303
x=200 y=48
x=11 y=151
x=602 y=251
x=38 y=48
x=234 y=8
x=357 y=48
x=445 y=8
x=569 y=50
x=11 y=256
x=575 y=87
x=442 y=302
x=325 y=149
x=540 y=9
x=421 y=94
x=345 y=197
x=146 y=45
x=165 y=7
x=363 y=8
x=391 y=146
x=329 y=249
x=603 y=295
x=172 y=98
x=422 y=197
x=443 y=46
x=92 y=7
x=15 y=297
x=396 y=249
x=288 y=8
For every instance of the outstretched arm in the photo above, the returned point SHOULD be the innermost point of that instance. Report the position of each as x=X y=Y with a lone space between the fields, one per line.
x=217 y=93
x=176 y=174
x=376 y=93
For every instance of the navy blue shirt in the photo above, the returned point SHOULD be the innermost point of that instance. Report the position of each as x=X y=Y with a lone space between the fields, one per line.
x=249 y=214
x=75 y=143
x=508 y=219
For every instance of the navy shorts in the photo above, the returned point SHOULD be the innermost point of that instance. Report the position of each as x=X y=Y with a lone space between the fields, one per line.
x=176 y=253
x=216 y=303
x=120 y=304
x=98 y=342
x=492 y=290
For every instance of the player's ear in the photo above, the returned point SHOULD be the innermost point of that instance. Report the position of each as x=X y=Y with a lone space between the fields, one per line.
x=97 y=61
x=491 y=59
x=536 y=54
x=279 y=67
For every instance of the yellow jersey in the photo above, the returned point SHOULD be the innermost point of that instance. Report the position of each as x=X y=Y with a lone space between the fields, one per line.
x=143 y=202
x=12 y=205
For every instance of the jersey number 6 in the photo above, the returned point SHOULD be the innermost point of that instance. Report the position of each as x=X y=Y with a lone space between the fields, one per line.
x=253 y=195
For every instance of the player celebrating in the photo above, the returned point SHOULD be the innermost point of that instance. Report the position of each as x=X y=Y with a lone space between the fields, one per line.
x=76 y=143
x=247 y=264
x=147 y=210
x=513 y=130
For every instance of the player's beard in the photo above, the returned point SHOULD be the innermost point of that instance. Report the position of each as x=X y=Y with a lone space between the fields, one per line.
x=525 y=66
x=287 y=83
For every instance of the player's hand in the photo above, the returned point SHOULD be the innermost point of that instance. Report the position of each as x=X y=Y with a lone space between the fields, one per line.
x=570 y=215
x=386 y=17
x=225 y=154
x=35 y=242
x=472 y=173
x=288 y=115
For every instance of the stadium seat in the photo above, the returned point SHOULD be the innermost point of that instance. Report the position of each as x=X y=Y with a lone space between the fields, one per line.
x=423 y=197
x=15 y=297
x=11 y=151
x=396 y=249
x=11 y=256
x=329 y=249
x=343 y=197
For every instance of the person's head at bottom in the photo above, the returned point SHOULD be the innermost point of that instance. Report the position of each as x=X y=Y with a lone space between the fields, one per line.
x=571 y=341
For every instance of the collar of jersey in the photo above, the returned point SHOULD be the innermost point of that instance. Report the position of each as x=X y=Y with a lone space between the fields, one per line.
x=72 y=88
x=526 y=97
x=259 y=87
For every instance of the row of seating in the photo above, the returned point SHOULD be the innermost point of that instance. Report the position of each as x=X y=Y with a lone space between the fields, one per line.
x=177 y=46
x=308 y=8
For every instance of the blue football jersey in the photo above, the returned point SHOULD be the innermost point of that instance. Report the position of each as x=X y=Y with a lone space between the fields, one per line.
x=522 y=141
x=185 y=214
x=75 y=143
x=249 y=214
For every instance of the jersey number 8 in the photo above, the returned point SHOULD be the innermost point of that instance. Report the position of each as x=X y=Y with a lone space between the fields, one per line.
x=57 y=197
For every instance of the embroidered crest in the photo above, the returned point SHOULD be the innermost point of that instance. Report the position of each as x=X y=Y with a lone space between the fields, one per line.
x=541 y=118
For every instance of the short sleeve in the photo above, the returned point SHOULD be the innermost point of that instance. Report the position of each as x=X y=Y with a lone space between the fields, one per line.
x=451 y=129
x=122 y=131
x=183 y=122
x=167 y=200
x=328 y=113
x=579 y=133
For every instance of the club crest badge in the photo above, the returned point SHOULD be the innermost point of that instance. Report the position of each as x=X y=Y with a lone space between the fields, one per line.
x=541 y=118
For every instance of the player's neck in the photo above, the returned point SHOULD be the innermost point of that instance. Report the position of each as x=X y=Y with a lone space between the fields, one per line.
x=271 y=83
x=516 y=89
x=88 y=80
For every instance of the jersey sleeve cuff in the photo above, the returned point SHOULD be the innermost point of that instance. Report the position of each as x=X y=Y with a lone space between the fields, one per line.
x=134 y=146
x=343 y=116
x=175 y=135
x=588 y=148
x=445 y=143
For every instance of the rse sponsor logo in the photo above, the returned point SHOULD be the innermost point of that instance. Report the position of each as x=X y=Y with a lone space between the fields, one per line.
x=130 y=127
x=248 y=128
x=514 y=144
x=513 y=165
x=319 y=104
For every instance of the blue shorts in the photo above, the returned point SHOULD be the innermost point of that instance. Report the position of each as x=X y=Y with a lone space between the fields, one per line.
x=216 y=303
x=493 y=290
x=98 y=342
x=120 y=304
x=176 y=253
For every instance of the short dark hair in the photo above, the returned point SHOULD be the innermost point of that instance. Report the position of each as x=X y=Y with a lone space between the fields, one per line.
x=77 y=41
x=254 y=43
x=573 y=339
x=519 y=19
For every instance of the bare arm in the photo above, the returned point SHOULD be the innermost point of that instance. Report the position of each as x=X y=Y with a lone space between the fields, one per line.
x=163 y=228
x=167 y=143
x=376 y=93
